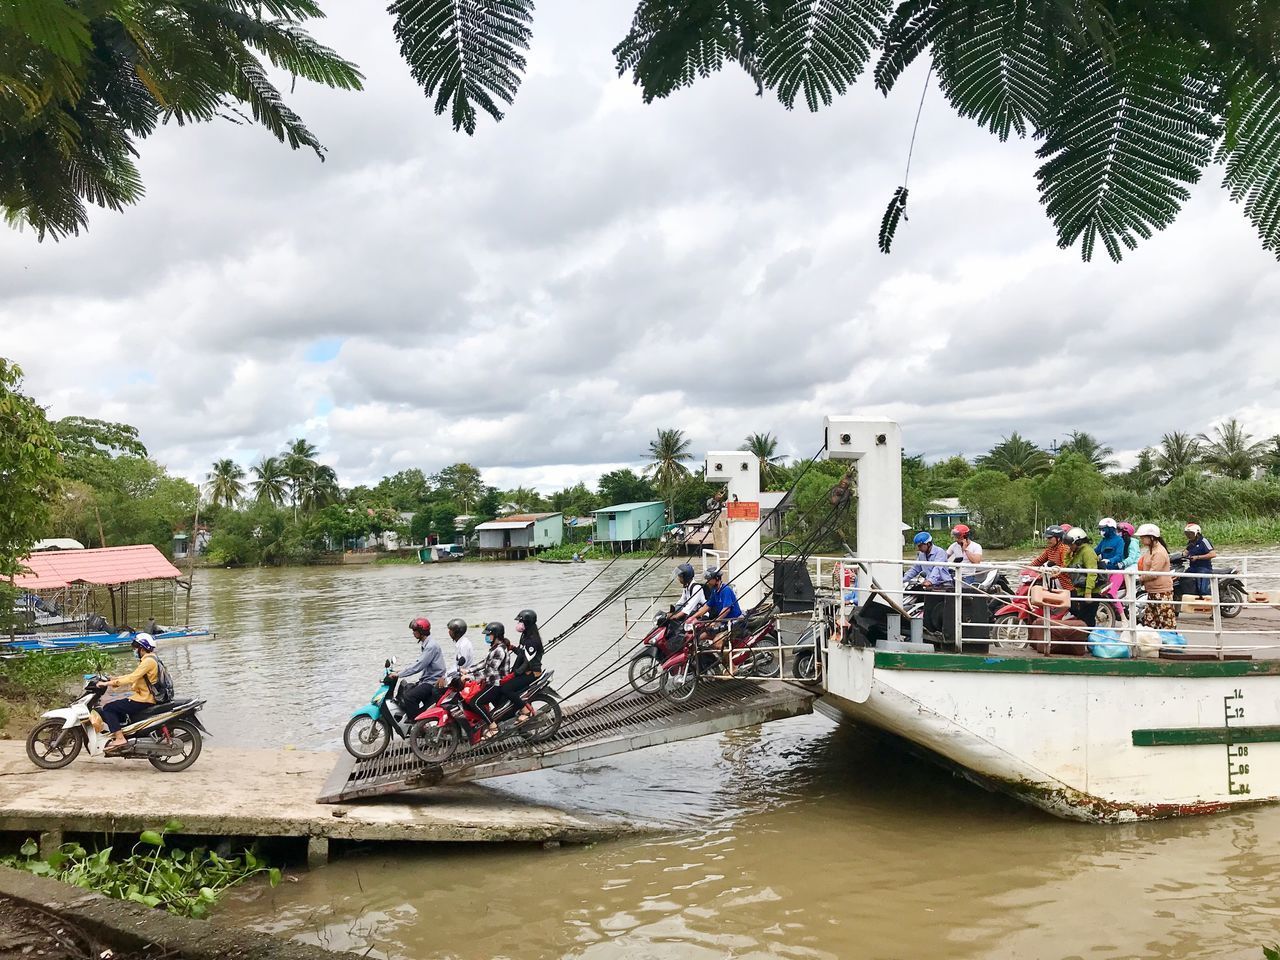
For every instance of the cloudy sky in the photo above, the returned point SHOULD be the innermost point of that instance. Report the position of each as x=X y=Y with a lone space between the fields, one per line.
x=540 y=298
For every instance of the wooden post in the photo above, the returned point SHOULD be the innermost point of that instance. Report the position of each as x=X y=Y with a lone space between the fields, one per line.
x=102 y=537
x=191 y=561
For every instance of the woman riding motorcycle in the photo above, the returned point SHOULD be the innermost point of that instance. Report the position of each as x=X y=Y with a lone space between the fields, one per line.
x=496 y=665
x=143 y=680
x=528 y=665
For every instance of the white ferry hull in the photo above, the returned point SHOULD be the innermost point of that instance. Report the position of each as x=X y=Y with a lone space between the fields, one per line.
x=1084 y=739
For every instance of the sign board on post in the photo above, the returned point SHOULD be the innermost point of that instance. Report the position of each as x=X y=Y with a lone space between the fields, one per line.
x=743 y=510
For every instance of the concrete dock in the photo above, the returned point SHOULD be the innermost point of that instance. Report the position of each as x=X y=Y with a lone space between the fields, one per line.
x=265 y=793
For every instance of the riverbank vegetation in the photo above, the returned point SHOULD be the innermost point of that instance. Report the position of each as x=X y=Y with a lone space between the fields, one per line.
x=32 y=682
x=183 y=882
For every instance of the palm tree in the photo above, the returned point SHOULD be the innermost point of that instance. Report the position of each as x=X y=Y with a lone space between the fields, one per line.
x=1232 y=452
x=299 y=463
x=224 y=482
x=270 y=485
x=1272 y=457
x=764 y=446
x=1179 y=453
x=669 y=451
x=1017 y=457
x=1084 y=444
x=319 y=488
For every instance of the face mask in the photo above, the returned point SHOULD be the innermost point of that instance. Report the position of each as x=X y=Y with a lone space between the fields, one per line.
x=487 y=639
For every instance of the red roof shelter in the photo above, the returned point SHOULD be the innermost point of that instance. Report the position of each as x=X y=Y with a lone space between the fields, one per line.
x=105 y=566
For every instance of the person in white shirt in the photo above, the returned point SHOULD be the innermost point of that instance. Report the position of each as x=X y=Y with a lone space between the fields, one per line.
x=465 y=652
x=965 y=551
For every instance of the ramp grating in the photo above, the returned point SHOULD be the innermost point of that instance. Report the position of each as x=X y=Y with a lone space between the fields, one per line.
x=602 y=727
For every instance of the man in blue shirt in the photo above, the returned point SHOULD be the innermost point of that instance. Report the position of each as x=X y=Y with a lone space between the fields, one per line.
x=935 y=577
x=720 y=607
x=1200 y=554
x=429 y=669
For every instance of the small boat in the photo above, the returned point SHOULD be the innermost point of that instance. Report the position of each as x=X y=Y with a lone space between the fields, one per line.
x=97 y=641
x=441 y=553
x=549 y=560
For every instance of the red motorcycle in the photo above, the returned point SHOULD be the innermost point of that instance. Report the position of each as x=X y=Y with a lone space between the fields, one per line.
x=1012 y=621
x=753 y=652
x=660 y=644
x=440 y=729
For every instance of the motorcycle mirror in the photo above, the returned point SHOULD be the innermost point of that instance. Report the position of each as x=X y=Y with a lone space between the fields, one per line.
x=387 y=665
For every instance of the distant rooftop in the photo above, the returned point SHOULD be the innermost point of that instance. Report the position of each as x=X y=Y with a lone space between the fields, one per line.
x=624 y=507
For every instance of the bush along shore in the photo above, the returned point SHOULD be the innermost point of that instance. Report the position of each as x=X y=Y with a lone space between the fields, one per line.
x=35 y=682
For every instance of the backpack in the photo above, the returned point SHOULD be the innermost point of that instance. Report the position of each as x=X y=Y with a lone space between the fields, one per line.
x=162 y=689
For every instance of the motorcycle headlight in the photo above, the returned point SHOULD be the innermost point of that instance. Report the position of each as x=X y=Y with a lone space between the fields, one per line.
x=378 y=698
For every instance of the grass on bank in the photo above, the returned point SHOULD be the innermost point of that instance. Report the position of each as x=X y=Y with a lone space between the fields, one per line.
x=184 y=882
x=31 y=682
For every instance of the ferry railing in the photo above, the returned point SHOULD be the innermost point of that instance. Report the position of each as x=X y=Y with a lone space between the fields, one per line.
x=1262 y=632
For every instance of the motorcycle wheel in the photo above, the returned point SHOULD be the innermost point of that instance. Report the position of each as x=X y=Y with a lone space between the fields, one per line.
x=645 y=673
x=546 y=719
x=1010 y=631
x=1232 y=602
x=187 y=735
x=766 y=664
x=1105 y=618
x=805 y=666
x=366 y=738
x=680 y=684
x=48 y=749
x=432 y=743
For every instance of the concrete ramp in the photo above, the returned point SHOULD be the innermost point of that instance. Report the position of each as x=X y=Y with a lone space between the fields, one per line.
x=603 y=727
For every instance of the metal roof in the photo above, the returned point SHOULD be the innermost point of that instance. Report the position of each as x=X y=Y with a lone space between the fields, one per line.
x=625 y=507
x=104 y=566
x=527 y=517
x=57 y=543
x=505 y=525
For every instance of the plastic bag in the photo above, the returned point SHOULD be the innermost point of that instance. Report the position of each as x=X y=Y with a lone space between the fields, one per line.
x=1172 y=638
x=1104 y=642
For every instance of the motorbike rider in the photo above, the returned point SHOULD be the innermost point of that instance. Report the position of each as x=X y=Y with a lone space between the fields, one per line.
x=965 y=550
x=1054 y=553
x=719 y=607
x=464 y=650
x=1200 y=554
x=929 y=564
x=1083 y=585
x=1132 y=545
x=692 y=596
x=496 y=665
x=1111 y=548
x=141 y=681
x=527 y=667
x=429 y=668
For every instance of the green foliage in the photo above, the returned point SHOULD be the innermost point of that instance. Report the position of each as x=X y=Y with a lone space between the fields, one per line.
x=85 y=440
x=270 y=483
x=1073 y=491
x=185 y=883
x=1003 y=509
x=29 y=477
x=461 y=483
x=1271 y=953
x=79 y=84
x=624 y=486
x=43 y=675
x=575 y=501
x=1017 y=457
x=689 y=499
x=1231 y=451
x=765 y=447
x=225 y=482
x=406 y=490
x=666 y=465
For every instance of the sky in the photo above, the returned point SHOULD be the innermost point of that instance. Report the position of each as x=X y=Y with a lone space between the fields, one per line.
x=541 y=298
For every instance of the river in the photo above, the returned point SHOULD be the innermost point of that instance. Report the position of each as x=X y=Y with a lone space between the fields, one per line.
x=804 y=838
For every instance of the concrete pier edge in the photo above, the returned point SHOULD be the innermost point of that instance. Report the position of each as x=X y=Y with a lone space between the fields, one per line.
x=131 y=926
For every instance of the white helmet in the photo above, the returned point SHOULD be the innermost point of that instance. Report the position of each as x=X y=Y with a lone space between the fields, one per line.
x=1192 y=528
x=1147 y=530
x=1106 y=522
x=1075 y=535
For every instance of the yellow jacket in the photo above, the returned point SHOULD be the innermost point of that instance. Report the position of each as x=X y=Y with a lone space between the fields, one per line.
x=146 y=671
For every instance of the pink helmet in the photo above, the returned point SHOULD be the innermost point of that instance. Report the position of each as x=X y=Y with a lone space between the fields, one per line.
x=1126 y=527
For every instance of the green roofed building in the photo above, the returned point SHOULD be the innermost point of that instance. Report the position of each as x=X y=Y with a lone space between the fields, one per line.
x=629 y=526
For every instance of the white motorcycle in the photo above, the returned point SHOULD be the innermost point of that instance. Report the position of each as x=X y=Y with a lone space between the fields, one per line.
x=168 y=735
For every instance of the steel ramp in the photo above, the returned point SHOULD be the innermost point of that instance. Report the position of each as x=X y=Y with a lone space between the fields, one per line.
x=603 y=727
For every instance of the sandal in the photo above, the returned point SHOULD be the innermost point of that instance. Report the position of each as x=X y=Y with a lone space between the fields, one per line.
x=113 y=748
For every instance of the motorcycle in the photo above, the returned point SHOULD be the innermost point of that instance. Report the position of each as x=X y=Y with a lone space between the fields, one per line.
x=659 y=645
x=370 y=729
x=168 y=735
x=1231 y=591
x=1015 y=617
x=440 y=729
x=680 y=672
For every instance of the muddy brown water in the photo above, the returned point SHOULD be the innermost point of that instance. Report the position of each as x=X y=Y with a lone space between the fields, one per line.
x=804 y=838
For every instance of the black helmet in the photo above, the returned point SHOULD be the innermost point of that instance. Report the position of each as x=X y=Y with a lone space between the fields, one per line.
x=684 y=573
x=713 y=574
x=495 y=630
x=456 y=627
x=1054 y=531
x=527 y=617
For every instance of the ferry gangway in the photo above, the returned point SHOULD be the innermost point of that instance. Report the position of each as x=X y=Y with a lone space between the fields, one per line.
x=601 y=727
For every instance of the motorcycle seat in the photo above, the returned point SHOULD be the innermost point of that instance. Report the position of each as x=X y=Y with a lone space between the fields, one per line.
x=155 y=709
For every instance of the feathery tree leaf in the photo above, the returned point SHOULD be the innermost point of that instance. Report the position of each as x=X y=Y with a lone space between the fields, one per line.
x=465 y=53
x=819 y=47
x=1250 y=149
x=896 y=211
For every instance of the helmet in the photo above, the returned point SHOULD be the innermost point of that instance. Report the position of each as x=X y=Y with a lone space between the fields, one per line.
x=1065 y=527
x=921 y=538
x=527 y=617
x=685 y=573
x=456 y=627
x=1192 y=528
x=1126 y=527
x=1107 y=522
x=1054 y=531
x=495 y=630
x=1076 y=535
x=960 y=530
x=1148 y=530
x=422 y=624
x=144 y=641
x=713 y=574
